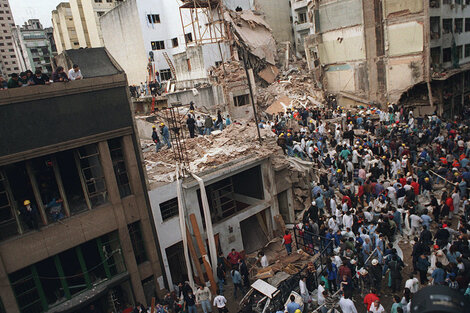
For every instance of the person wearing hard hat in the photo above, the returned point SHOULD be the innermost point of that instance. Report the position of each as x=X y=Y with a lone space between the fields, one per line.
x=155 y=138
x=165 y=134
x=281 y=142
x=29 y=214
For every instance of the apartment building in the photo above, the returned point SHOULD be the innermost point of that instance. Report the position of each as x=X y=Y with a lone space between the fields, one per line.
x=300 y=24
x=398 y=51
x=9 y=53
x=89 y=239
x=86 y=28
x=65 y=34
x=35 y=46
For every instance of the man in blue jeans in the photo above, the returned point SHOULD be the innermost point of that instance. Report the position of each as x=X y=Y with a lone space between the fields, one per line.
x=204 y=297
x=221 y=277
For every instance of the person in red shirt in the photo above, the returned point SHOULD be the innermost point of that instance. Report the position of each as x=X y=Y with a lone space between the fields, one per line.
x=415 y=186
x=287 y=242
x=233 y=258
x=450 y=204
x=370 y=298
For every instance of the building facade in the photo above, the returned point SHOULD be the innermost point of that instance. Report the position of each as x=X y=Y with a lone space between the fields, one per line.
x=36 y=46
x=65 y=34
x=89 y=239
x=300 y=24
x=397 y=51
x=9 y=54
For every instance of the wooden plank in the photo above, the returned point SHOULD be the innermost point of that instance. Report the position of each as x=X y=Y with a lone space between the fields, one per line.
x=204 y=255
x=152 y=308
x=192 y=252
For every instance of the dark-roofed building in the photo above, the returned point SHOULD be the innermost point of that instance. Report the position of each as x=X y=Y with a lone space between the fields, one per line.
x=75 y=224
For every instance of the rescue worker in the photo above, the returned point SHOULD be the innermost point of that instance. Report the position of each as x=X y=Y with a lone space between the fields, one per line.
x=155 y=138
x=165 y=134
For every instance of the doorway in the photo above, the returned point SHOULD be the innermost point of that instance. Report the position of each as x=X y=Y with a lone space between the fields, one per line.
x=177 y=263
x=254 y=232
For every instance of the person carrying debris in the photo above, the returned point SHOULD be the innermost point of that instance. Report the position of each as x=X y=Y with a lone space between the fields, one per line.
x=156 y=139
x=165 y=134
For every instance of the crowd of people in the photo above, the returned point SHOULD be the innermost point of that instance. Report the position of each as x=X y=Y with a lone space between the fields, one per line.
x=28 y=78
x=384 y=177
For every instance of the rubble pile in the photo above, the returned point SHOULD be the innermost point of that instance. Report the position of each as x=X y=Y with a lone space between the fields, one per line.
x=294 y=88
x=204 y=152
x=231 y=71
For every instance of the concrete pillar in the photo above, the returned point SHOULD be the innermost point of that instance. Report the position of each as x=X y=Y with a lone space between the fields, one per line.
x=139 y=191
x=126 y=244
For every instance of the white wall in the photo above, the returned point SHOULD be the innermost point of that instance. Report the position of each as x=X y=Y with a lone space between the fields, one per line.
x=123 y=39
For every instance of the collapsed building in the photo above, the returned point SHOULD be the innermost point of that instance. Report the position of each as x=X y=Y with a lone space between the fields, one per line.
x=410 y=52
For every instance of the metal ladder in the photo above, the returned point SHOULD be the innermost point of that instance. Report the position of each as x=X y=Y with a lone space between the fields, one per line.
x=168 y=60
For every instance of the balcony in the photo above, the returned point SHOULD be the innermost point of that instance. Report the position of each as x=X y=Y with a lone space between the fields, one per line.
x=299 y=4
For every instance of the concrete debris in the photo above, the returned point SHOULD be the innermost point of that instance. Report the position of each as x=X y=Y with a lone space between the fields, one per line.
x=269 y=74
x=252 y=31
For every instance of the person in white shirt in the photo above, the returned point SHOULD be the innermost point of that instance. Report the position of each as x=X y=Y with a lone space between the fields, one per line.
x=220 y=302
x=412 y=283
x=376 y=307
x=348 y=220
x=415 y=224
x=333 y=206
x=263 y=259
x=346 y=305
x=332 y=224
x=320 y=297
x=303 y=289
x=75 y=73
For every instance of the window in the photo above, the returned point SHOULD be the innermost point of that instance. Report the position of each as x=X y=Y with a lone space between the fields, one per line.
x=302 y=17
x=467 y=24
x=92 y=174
x=158 y=45
x=175 y=43
x=169 y=208
x=458 y=25
x=119 y=165
x=165 y=74
x=446 y=1
x=100 y=13
x=447 y=25
x=239 y=101
x=460 y=52
x=188 y=62
x=446 y=55
x=188 y=37
x=153 y=18
x=135 y=233
x=434 y=3
x=109 y=1
x=458 y=1
x=467 y=50
x=98 y=1
x=24 y=286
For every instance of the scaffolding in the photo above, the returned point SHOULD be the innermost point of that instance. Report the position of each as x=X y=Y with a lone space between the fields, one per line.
x=205 y=21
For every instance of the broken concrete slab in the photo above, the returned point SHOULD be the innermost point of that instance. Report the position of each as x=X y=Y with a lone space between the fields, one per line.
x=269 y=74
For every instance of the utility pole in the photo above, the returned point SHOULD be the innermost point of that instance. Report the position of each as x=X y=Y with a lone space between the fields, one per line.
x=244 y=56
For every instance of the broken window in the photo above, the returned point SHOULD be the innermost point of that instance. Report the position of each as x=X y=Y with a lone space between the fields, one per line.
x=446 y=55
x=92 y=174
x=460 y=52
x=447 y=25
x=434 y=3
x=467 y=24
x=135 y=233
x=458 y=25
x=43 y=172
x=53 y=290
x=119 y=166
x=153 y=18
x=242 y=100
x=436 y=56
x=467 y=51
x=111 y=248
x=169 y=208
x=23 y=283
x=188 y=37
x=458 y=1
x=447 y=1
x=70 y=177
x=158 y=45
x=175 y=43
x=302 y=17
x=165 y=74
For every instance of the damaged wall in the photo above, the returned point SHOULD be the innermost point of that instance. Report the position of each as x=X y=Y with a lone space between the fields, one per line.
x=277 y=15
x=342 y=45
x=405 y=38
x=402 y=6
x=340 y=14
x=340 y=78
x=402 y=73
